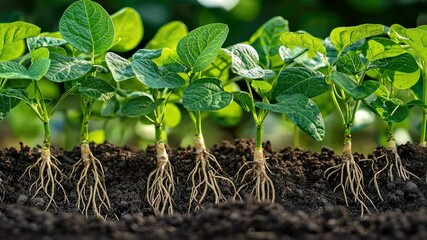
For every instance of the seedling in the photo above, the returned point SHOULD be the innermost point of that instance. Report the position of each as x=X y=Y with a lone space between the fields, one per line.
x=396 y=70
x=49 y=175
x=90 y=30
x=285 y=98
x=203 y=94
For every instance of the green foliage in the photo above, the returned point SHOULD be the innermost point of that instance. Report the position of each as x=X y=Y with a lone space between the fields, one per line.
x=96 y=88
x=63 y=68
x=350 y=86
x=343 y=37
x=88 y=27
x=154 y=77
x=12 y=35
x=140 y=106
x=168 y=36
x=128 y=29
x=245 y=62
x=303 y=40
x=206 y=94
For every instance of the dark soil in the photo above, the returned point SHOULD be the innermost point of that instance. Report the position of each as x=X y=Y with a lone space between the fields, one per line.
x=306 y=206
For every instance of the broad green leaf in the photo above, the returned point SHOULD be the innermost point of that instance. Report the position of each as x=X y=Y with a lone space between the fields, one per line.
x=379 y=48
x=300 y=110
x=43 y=41
x=245 y=62
x=168 y=36
x=12 y=35
x=172 y=115
x=244 y=100
x=39 y=53
x=266 y=40
x=154 y=77
x=350 y=86
x=128 y=29
x=402 y=71
x=350 y=63
x=417 y=89
x=13 y=70
x=171 y=61
x=201 y=46
x=390 y=110
x=261 y=87
x=342 y=37
x=7 y=103
x=97 y=88
x=289 y=54
x=63 y=68
x=39 y=68
x=303 y=40
x=88 y=27
x=120 y=68
x=220 y=67
x=140 y=106
x=415 y=38
x=295 y=80
x=206 y=94
x=147 y=54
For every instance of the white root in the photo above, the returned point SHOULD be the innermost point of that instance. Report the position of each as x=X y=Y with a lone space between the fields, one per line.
x=91 y=189
x=160 y=183
x=263 y=189
x=351 y=178
x=205 y=176
x=48 y=174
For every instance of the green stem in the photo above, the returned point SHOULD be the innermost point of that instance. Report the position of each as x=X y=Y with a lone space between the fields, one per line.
x=258 y=138
x=87 y=105
x=198 y=124
x=66 y=94
x=46 y=142
x=337 y=106
x=160 y=134
x=347 y=133
x=390 y=134
x=2 y=83
x=424 y=121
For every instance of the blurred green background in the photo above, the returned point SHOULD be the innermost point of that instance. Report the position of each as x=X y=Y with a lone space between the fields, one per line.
x=243 y=17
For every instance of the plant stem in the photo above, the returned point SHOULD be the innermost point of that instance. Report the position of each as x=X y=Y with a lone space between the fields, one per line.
x=46 y=142
x=198 y=124
x=390 y=134
x=424 y=121
x=66 y=94
x=258 y=138
x=87 y=105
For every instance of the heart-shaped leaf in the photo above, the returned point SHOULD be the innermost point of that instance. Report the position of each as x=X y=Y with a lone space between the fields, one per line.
x=120 y=68
x=128 y=29
x=12 y=34
x=350 y=86
x=63 y=68
x=168 y=36
x=303 y=40
x=295 y=80
x=87 y=26
x=402 y=71
x=140 y=106
x=300 y=110
x=350 y=63
x=390 y=110
x=200 y=47
x=154 y=77
x=97 y=89
x=206 y=94
x=13 y=70
x=245 y=61
x=342 y=37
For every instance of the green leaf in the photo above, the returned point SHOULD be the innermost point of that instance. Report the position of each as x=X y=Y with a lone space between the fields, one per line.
x=172 y=115
x=13 y=70
x=244 y=100
x=120 y=68
x=12 y=34
x=295 y=80
x=220 y=67
x=350 y=63
x=289 y=54
x=379 y=48
x=206 y=94
x=245 y=62
x=88 y=27
x=266 y=40
x=128 y=29
x=300 y=110
x=43 y=41
x=201 y=46
x=147 y=54
x=39 y=53
x=402 y=71
x=261 y=87
x=96 y=89
x=303 y=40
x=342 y=37
x=7 y=103
x=63 y=68
x=171 y=61
x=140 y=106
x=154 y=77
x=350 y=86
x=39 y=68
x=390 y=110
x=168 y=36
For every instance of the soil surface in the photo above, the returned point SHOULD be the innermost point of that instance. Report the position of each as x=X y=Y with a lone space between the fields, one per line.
x=306 y=205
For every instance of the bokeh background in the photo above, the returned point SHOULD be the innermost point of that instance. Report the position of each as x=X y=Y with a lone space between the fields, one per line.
x=243 y=17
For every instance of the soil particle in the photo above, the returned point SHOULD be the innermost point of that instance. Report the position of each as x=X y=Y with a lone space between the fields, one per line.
x=306 y=205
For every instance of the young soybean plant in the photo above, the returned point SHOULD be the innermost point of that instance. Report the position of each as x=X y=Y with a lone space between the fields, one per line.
x=196 y=52
x=349 y=88
x=160 y=82
x=285 y=99
x=49 y=175
x=396 y=71
x=90 y=30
